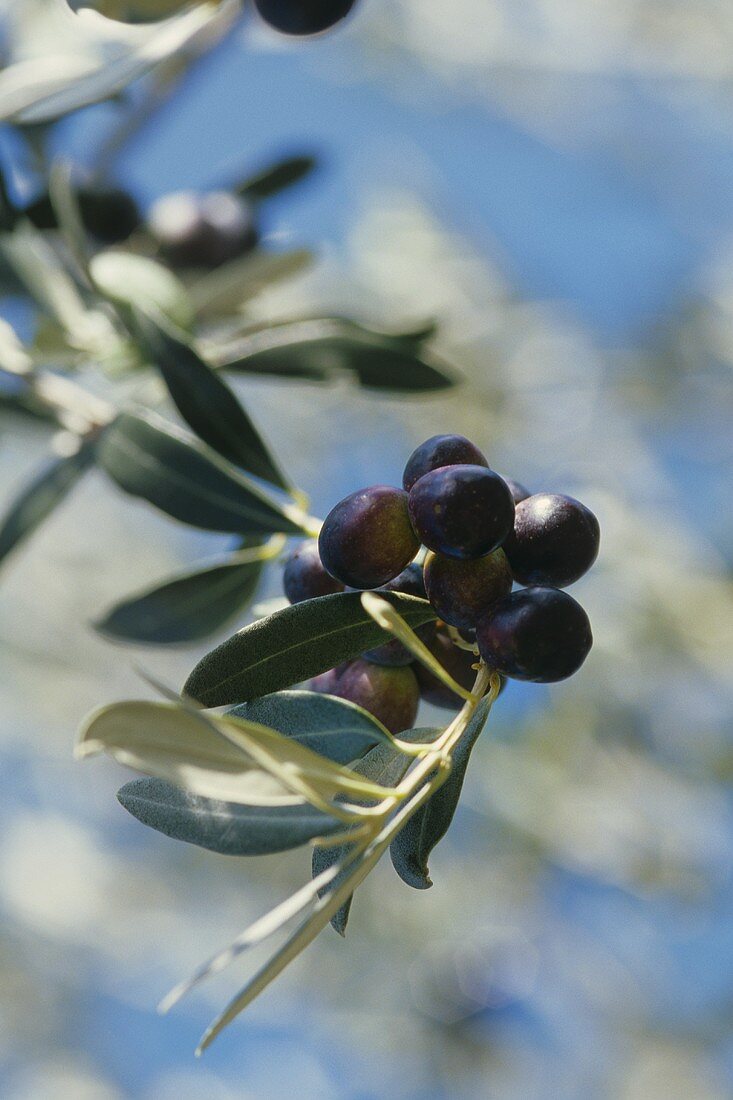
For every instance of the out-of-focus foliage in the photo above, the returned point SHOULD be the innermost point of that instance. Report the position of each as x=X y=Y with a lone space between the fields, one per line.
x=578 y=929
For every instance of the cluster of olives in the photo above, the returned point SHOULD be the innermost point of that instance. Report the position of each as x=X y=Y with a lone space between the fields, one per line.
x=303 y=16
x=481 y=535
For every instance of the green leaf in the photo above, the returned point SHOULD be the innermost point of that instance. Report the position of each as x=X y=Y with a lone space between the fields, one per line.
x=38 y=500
x=129 y=280
x=276 y=177
x=205 y=401
x=224 y=827
x=41 y=87
x=384 y=765
x=334 y=728
x=222 y=292
x=318 y=348
x=8 y=213
x=220 y=757
x=65 y=209
x=166 y=741
x=152 y=459
x=411 y=848
x=185 y=608
x=293 y=645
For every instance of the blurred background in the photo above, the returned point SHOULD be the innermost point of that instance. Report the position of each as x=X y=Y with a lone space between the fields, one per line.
x=553 y=182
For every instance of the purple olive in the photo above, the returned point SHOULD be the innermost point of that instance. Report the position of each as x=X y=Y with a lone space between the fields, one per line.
x=303 y=16
x=392 y=695
x=367 y=539
x=462 y=592
x=304 y=576
x=554 y=542
x=440 y=450
x=518 y=491
x=461 y=512
x=538 y=634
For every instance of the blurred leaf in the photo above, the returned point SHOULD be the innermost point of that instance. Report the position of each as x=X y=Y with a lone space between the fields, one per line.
x=339 y=730
x=225 y=290
x=223 y=827
x=38 y=500
x=151 y=459
x=130 y=280
x=384 y=765
x=38 y=267
x=205 y=401
x=318 y=348
x=64 y=202
x=411 y=848
x=293 y=645
x=8 y=212
x=106 y=57
x=185 y=608
x=276 y=177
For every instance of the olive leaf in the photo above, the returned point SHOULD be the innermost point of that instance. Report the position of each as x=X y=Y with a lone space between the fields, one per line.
x=168 y=742
x=226 y=758
x=204 y=400
x=410 y=850
x=384 y=765
x=223 y=827
x=359 y=862
x=38 y=500
x=293 y=645
x=101 y=63
x=149 y=458
x=320 y=347
x=64 y=204
x=187 y=607
x=275 y=177
x=41 y=272
x=225 y=290
x=129 y=280
x=8 y=212
x=335 y=728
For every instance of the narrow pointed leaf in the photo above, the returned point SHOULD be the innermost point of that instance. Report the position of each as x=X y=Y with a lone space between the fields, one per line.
x=328 y=904
x=335 y=728
x=151 y=459
x=185 y=608
x=276 y=177
x=293 y=645
x=222 y=292
x=223 y=827
x=129 y=280
x=168 y=742
x=42 y=88
x=320 y=347
x=38 y=500
x=384 y=765
x=205 y=401
x=411 y=848
x=254 y=934
x=220 y=757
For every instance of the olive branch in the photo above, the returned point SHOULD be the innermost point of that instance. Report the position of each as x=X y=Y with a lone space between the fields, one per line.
x=230 y=757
